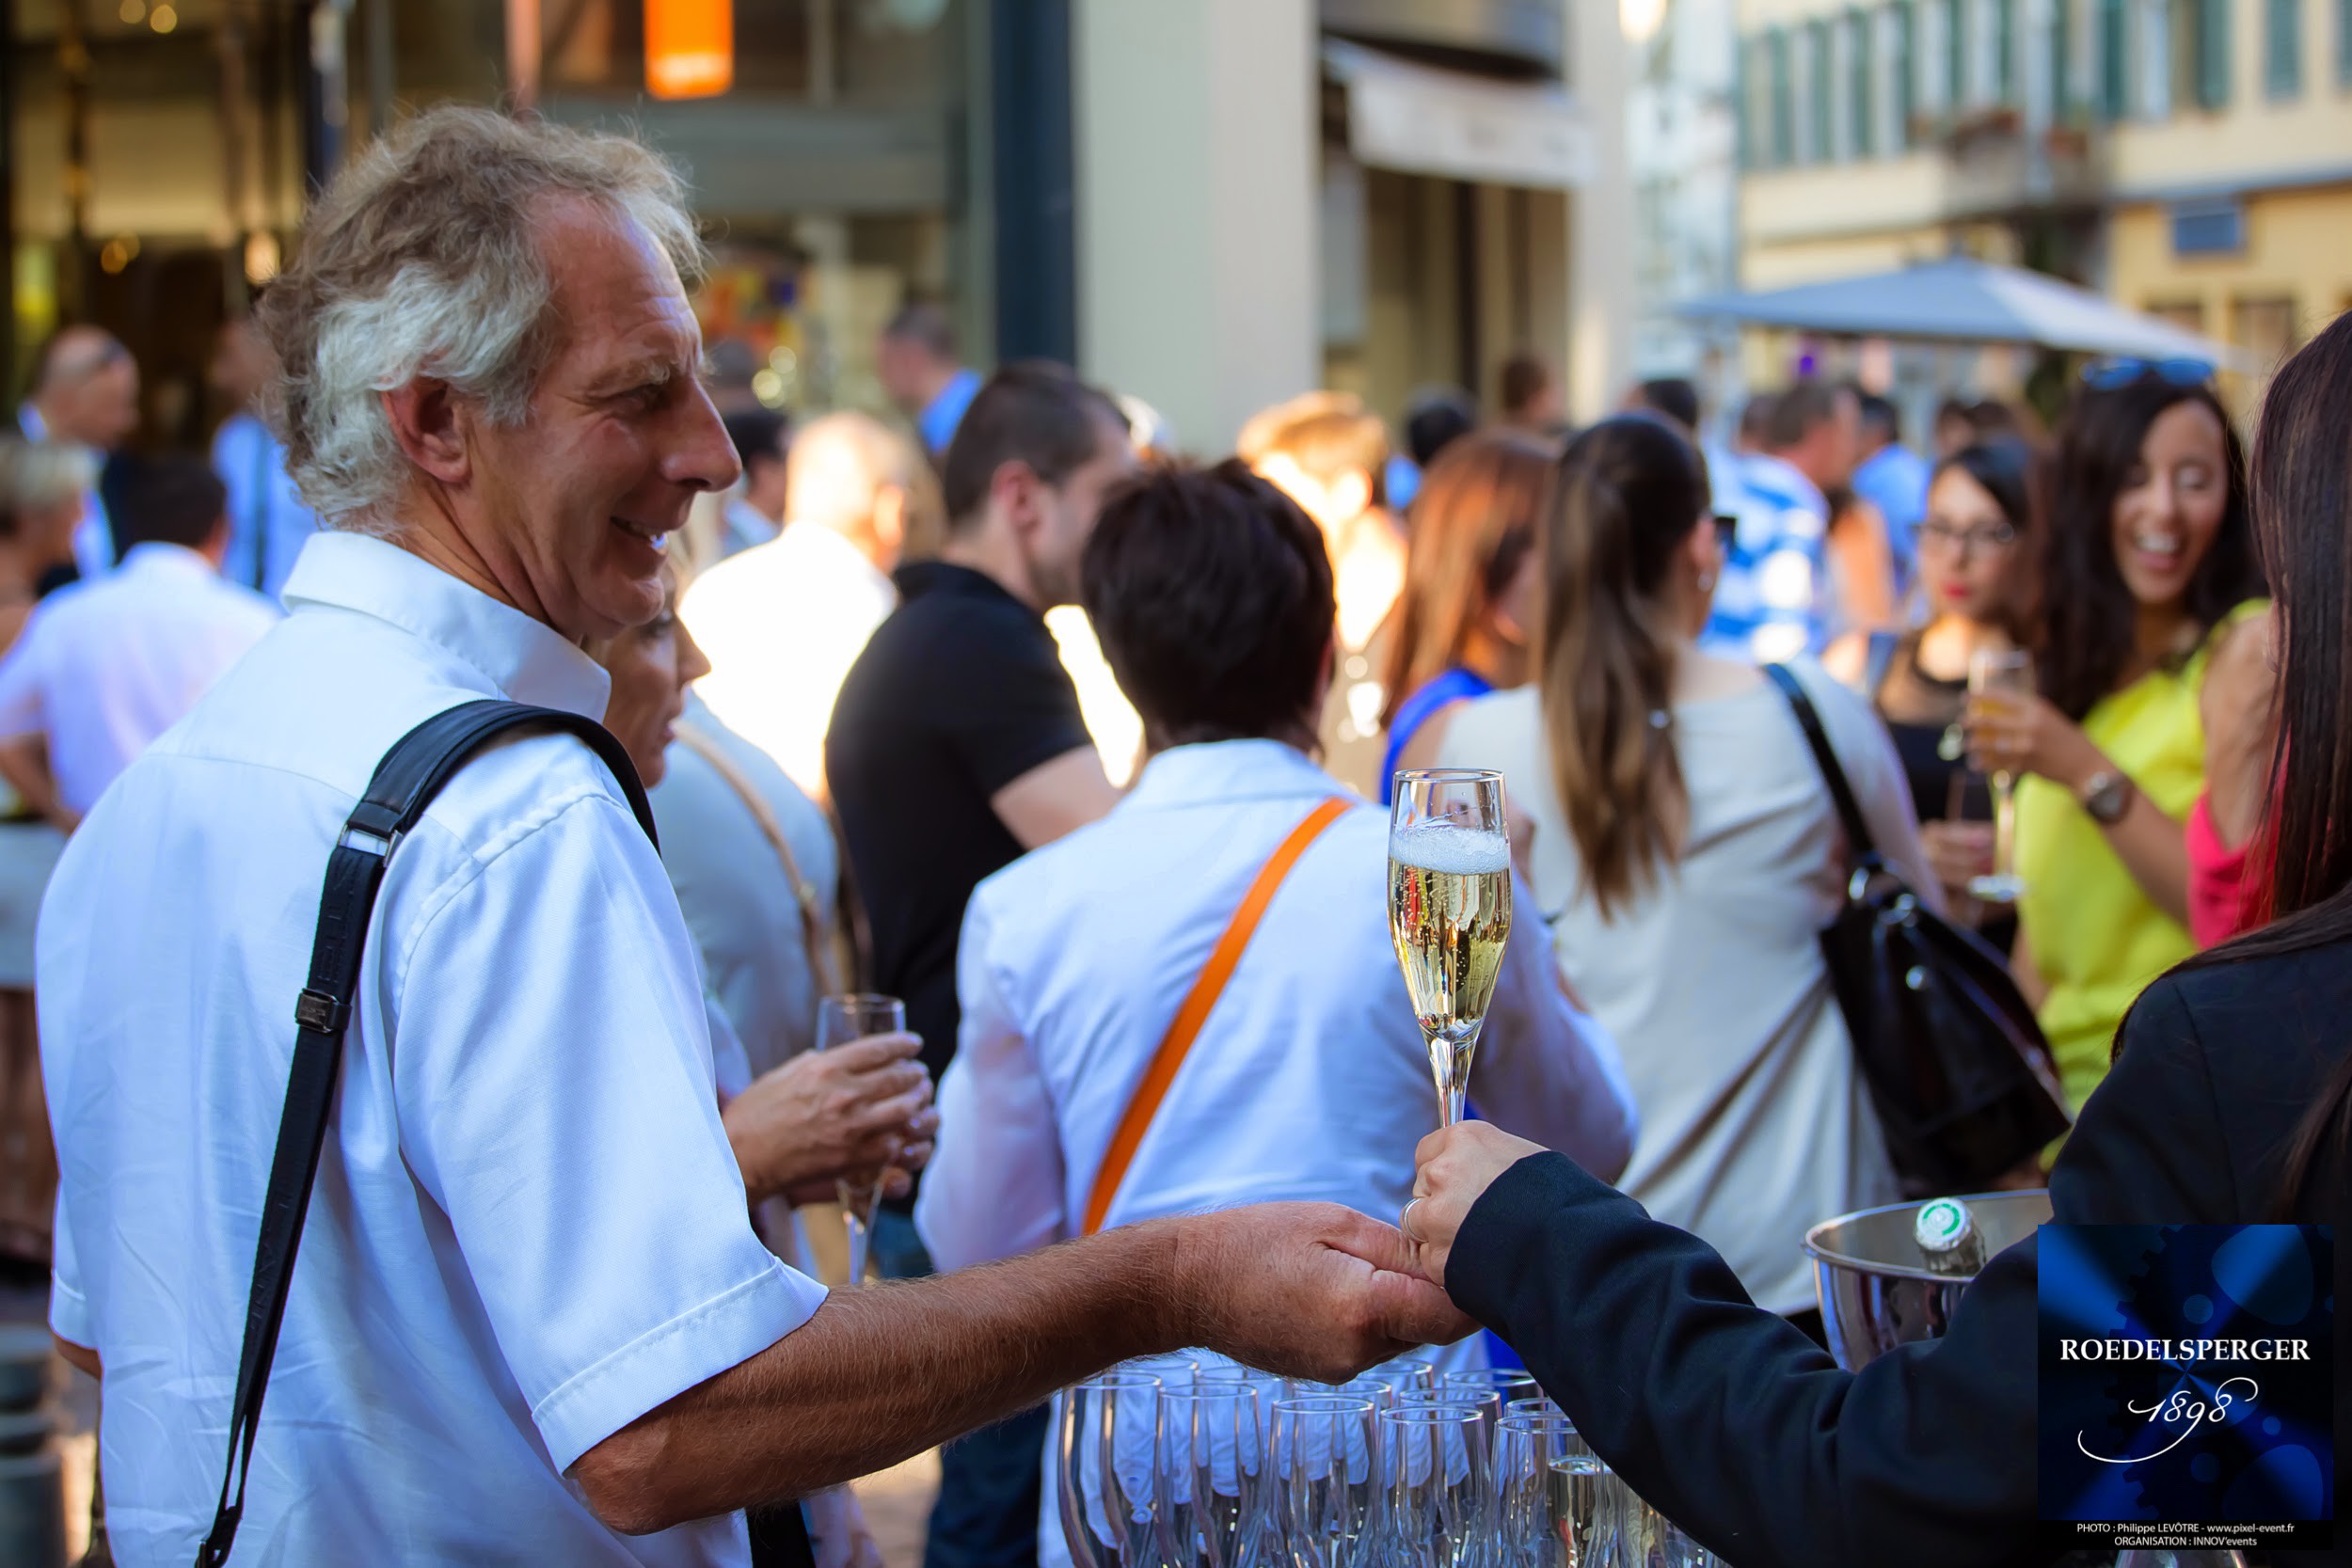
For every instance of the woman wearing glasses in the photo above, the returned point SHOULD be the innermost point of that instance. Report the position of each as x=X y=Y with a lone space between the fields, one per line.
x=1969 y=558
x=2147 y=568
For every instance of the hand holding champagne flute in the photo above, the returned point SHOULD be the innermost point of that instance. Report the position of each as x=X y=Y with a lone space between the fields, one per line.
x=1450 y=912
x=839 y=1020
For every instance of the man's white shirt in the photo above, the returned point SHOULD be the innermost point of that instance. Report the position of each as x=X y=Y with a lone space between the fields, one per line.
x=103 y=667
x=782 y=623
x=528 y=1229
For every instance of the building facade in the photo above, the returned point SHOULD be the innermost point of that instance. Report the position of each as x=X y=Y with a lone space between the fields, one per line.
x=2192 y=158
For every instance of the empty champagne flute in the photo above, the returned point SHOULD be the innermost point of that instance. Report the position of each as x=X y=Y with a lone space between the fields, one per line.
x=1325 y=1455
x=1660 y=1542
x=1436 y=1493
x=1105 y=1463
x=1487 y=1407
x=1210 y=1489
x=1450 y=912
x=839 y=1020
x=1511 y=1383
x=2000 y=682
x=1528 y=1533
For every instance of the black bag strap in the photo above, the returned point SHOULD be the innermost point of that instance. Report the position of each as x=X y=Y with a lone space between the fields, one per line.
x=404 y=783
x=1809 y=720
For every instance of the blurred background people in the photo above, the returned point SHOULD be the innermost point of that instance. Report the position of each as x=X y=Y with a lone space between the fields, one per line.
x=920 y=372
x=1466 y=619
x=1775 y=599
x=956 y=744
x=267 y=520
x=1686 y=853
x=1436 y=419
x=1971 y=576
x=105 y=668
x=783 y=622
x=2145 y=566
x=1528 y=395
x=1327 y=453
x=756 y=511
x=1669 y=398
x=1213 y=599
x=41 y=486
x=86 y=393
x=1862 y=569
x=1893 y=478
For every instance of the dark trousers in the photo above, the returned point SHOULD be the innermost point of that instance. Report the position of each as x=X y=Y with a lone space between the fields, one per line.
x=991 y=1481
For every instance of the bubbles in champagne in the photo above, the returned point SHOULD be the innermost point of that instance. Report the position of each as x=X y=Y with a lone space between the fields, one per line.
x=1450 y=847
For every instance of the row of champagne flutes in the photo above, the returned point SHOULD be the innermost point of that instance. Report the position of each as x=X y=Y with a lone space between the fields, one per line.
x=1177 y=1464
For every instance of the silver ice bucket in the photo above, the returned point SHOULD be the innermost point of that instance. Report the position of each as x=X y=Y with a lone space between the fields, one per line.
x=1877 y=1290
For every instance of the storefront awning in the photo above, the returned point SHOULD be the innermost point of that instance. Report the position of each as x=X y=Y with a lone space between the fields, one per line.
x=1424 y=120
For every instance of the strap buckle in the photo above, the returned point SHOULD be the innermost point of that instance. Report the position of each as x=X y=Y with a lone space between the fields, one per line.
x=321 y=1013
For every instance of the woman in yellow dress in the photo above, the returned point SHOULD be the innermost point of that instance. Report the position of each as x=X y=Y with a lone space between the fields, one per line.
x=2147 y=567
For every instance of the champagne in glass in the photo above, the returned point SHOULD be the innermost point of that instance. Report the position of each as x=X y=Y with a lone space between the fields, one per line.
x=1450 y=912
x=839 y=1020
x=2000 y=682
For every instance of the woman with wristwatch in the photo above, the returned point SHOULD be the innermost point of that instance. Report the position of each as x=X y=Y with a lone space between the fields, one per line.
x=2147 y=568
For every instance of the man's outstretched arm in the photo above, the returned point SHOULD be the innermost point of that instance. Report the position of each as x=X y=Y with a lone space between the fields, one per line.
x=876 y=1374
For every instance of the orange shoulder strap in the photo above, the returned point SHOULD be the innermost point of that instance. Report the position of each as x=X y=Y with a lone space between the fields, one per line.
x=1194 y=1011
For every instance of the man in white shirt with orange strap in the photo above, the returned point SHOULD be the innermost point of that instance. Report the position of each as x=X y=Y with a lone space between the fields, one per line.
x=1307 y=1077
x=529 y=1319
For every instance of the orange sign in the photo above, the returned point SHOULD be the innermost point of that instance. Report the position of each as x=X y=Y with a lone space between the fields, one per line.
x=690 y=47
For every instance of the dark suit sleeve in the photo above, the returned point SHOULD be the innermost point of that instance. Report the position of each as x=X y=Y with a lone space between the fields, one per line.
x=1733 y=1423
x=2149 y=1147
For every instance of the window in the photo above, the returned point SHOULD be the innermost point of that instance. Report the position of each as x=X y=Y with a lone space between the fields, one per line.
x=2344 y=43
x=1862 y=83
x=2061 y=57
x=1781 y=105
x=2202 y=63
x=2115 y=70
x=1901 y=74
x=1821 y=91
x=2005 y=52
x=1744 y=100
x=1902 y=78
x=2282 y=48
x=2208 y=227
x=2265 y=329
x=1955 y=57
x=2186 y=314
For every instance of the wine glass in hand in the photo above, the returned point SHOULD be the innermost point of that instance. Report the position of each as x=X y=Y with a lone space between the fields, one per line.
x=1450 y=912
x=839 y=1020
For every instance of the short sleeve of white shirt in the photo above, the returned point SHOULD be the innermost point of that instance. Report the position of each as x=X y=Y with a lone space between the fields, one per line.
x=587 y=1179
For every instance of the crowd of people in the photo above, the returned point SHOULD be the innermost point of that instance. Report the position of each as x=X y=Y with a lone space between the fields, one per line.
x=558 y=1292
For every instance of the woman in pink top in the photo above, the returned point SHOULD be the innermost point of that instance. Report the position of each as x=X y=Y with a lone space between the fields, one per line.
x=2240 y=711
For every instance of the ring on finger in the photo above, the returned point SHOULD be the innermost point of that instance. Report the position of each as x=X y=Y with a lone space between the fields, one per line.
x=1405 y=1220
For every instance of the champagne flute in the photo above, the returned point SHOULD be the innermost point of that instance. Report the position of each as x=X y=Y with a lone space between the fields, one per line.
x=1450 y=912
x=1594 y=1511
x=1325 y=1455
x=1437 y=1502
x=1209 y=1486
x=2000 y=680
x=1529 y=1533
x=839 y=1020
x=1105 y=1458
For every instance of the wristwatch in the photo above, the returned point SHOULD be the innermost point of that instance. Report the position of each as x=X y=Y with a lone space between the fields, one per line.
x=2108 y=795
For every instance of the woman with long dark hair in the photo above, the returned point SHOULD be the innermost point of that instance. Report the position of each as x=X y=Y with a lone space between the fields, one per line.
x=2146 y=567
x=2231 y=1102
x=1462 y=624
x=1685 y=854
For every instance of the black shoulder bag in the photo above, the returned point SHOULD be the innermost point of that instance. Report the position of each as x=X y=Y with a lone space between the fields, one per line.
x=405 y=781
x=1957 y=1066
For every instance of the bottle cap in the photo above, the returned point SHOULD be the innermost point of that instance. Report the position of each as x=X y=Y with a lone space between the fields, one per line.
x=1943 y=1225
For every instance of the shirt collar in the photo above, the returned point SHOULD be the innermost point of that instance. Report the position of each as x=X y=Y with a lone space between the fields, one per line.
x=521 y=659
x=940 y=416
x=1217 y=771
x=28 y=420
x=830 y=548
x=155 y=555
x=1789 y=476
x=918 y=578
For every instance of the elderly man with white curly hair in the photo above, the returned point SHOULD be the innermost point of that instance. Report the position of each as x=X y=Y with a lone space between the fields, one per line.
x=529 y=1321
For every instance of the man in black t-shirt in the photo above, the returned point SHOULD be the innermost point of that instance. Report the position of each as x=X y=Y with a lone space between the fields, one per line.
x=956 y=744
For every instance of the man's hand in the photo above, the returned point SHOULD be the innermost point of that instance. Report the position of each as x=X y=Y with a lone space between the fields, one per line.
x=1454 y=1167
x=1305 y=1290
x=825 y=1115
